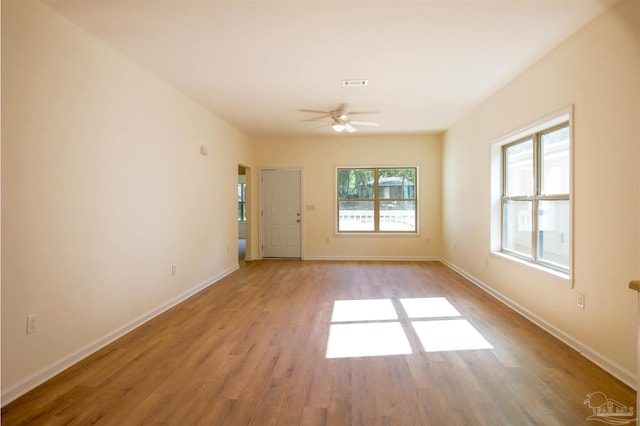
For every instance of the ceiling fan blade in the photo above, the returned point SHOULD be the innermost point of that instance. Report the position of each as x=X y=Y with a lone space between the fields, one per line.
x=349 y=127
x=322 y=118
x=364 y=123
x=315 y=111
x=363 y=112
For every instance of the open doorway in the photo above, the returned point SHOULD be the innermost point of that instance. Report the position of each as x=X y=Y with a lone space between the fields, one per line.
x=244 y=228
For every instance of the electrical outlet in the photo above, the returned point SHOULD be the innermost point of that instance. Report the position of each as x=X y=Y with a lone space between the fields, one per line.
x=173 y=270
x=580 y=300
x=32 y=323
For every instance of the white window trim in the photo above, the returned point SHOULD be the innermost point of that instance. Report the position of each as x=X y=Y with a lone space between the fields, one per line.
x=565 y=114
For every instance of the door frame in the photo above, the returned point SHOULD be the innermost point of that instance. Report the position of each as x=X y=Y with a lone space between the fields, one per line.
x=261 y=201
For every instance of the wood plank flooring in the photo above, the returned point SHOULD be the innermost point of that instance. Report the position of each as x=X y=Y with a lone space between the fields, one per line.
x=250 y=350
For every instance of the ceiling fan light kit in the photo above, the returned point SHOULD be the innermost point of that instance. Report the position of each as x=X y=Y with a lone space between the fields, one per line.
x=338 y=127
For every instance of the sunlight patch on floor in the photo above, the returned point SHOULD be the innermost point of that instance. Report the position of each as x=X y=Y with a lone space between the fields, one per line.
x=449 y=335
x=363 y=310
x=429 y=307
x=373 y=327
x=367 y=339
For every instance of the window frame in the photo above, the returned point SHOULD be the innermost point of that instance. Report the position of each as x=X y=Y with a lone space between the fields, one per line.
x=499 y=195
x=536 y=197
x=376 y=200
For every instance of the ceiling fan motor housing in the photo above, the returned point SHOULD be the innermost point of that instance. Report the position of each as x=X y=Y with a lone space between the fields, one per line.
x=340 y=115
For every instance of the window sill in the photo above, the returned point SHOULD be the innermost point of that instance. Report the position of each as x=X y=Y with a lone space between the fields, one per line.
x=564 y=276
x=377 y=234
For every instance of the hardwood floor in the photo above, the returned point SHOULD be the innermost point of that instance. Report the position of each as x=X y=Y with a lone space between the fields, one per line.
x=250 y=350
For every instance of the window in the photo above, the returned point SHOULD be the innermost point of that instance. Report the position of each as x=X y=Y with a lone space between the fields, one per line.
x=536 y=197
x=377 y=199
x=242 y=202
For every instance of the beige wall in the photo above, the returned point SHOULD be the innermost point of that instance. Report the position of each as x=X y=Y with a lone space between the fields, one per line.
x=318 y=157
x=598 y=72
x=104 y=189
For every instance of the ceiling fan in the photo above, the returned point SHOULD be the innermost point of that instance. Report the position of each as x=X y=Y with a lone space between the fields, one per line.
x=339 y=118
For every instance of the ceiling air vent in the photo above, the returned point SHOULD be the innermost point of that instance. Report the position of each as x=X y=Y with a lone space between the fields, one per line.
x=353 y=83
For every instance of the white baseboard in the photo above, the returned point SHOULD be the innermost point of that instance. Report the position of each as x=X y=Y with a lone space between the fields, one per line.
x=376 y=258
x=600 y=360
x=42 y=376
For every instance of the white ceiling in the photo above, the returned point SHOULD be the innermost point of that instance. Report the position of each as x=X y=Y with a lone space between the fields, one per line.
x=257 y=63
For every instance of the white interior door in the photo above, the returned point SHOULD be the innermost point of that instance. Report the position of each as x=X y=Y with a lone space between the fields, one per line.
x=281 y=213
